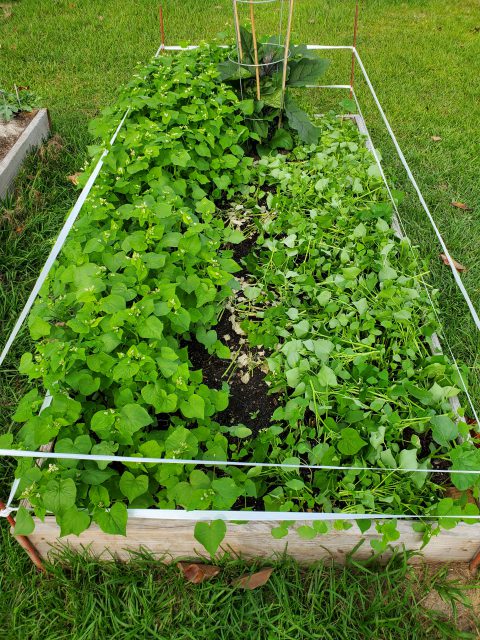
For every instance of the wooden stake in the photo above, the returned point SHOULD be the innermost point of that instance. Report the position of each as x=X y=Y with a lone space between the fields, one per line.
x=285 y=59
x=162 y=31
x=24 y=542
x=255 y=51
x=237 y=30
x=475 y=562
x=355 y=28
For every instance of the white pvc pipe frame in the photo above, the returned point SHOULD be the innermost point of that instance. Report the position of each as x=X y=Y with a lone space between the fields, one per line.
x=232 y=516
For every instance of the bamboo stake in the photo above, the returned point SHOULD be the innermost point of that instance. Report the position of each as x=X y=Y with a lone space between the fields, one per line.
x=162 y=31
x=24 y=542
x=237 y=29
x=355 y=28
x=255 y=51
x=285 y=59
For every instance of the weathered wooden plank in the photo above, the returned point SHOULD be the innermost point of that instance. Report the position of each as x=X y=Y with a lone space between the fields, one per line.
x=34 y=134
x=171 y=540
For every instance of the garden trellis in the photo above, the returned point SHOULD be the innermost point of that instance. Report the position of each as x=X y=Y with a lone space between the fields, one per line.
x=250 y=516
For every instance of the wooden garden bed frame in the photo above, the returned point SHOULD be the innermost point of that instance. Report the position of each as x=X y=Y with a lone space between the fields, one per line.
x=37 y=130
x=171 y=540
x=169 y=535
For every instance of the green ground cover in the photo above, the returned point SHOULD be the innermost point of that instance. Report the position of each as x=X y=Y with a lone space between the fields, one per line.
x=421 y=55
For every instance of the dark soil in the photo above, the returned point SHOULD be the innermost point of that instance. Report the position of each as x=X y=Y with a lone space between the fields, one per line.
x=241 y=251
x=425 y=441
x=249 y=403
x=20 y=123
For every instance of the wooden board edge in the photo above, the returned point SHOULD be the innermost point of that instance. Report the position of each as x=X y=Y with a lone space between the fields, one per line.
x=33 y=135
x=170 y=540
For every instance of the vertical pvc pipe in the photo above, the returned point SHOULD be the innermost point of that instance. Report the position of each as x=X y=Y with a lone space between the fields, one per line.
x=355 y=29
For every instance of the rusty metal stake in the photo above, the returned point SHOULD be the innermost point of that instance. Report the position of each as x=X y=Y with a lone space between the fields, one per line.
x=24 y=542
x=475 y=562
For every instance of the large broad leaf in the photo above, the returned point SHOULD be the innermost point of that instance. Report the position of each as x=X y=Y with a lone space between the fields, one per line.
x=350 y=442
x=133 y=486
x=210 y=535
x=444 y=429
x=246 y=40
x=230 y=70
x=73 y=521
x=59 y=495
x=112 y=520
x=24 y=524
x=299 y=120
x=465 y=459
x=306 y=71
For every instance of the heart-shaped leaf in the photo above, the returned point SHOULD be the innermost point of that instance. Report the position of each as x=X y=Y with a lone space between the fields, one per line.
x=210 y=535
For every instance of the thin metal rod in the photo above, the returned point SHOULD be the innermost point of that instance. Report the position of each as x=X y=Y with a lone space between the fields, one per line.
x=255 y=51
x=355 y=29
x=237 y=30
x=162 y=30
x=285 y=59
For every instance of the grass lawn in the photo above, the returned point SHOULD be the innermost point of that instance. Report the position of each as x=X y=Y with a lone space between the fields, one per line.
x=422 y=56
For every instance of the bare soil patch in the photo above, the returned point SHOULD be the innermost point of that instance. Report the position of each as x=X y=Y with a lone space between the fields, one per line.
x=12 y=130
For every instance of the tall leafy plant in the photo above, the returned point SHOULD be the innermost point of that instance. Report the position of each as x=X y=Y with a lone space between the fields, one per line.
x=304 y=69
x=13 y=102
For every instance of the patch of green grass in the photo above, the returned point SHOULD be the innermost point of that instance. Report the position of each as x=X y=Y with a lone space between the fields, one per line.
x=146 y=599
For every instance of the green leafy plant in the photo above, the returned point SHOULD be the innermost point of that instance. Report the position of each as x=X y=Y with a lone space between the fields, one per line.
x=14 y=102
x=329 y=295
x=304 y=68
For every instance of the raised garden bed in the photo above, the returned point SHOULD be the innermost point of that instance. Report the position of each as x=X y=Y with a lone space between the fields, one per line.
x=17 y=137
x=233 y=312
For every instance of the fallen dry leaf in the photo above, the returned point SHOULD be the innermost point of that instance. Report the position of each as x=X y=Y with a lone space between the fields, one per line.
x=436 y=138
x=100 y=17
x=52 y=148
x=245 y=378
x=197 y=572
x=254 y=580
x=20 y=228
x=461 y=205
x=74 y=178
x=7 y=10
x=457 y=265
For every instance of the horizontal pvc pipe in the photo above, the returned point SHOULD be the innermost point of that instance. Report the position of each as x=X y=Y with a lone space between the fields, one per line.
x=19 y=453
